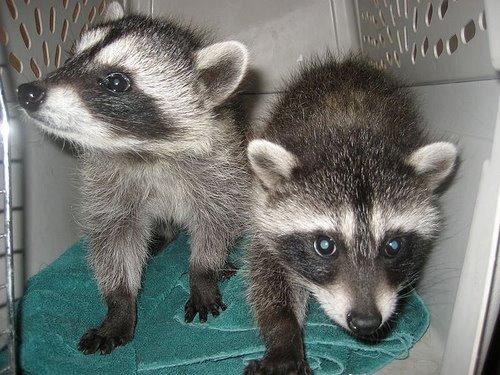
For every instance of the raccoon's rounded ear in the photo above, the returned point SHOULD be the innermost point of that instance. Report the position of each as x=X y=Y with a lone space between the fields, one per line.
x=113 y=12
x=270 y=162
x=221 y=68
x=435 y=162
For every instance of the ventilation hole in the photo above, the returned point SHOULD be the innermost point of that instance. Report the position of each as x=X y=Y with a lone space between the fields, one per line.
x=25 y=36
x=468 y=32
x=11 y=6
x=425 y=46
x=396 y=59
x=84 y=28
x=15 y=63
x=382 y=19
x=414 y=53
x=428 y=16
x=381 y=39
x=389 y=34
x=398 y=8
x=64 y=30
x=391 y=11
x=52 y=20
x=102 y=7
x=4 y=37
x=400 y=44
x=452 y=45
x=65 y=3
x=405 y=8
x=57 y=56
x=438 y=48
x=92 y=14
x=84 y=2
x=34 y=68
x=415 y=19
x=443 y=8
x=76 y=12
x=73 y=48
x=405 y=38
x=482 y=21
x=388 y=57
x=38 y=21
x=46 y=55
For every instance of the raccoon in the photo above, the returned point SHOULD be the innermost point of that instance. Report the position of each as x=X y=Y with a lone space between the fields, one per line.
x=146 y=102
x=344 y=205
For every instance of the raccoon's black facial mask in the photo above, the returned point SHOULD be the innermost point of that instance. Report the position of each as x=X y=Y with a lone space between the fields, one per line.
x=321 y=257
x=312 y=255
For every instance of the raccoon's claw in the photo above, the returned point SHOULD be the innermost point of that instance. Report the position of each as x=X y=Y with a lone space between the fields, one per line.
x=198 y=304
x=94 y=341
x=229 y=271
x=278 y=367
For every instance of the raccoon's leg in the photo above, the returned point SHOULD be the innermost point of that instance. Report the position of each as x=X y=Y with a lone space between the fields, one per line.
x=117 y=253
x=279 y=308
x=209 y=249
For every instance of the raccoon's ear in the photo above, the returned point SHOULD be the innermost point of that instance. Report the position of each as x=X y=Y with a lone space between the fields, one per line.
x=435 y=162
x=270 y=162
x=114 y=12
x=221 y=68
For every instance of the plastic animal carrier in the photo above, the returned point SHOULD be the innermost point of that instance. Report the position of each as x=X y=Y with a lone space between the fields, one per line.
x=447 y=50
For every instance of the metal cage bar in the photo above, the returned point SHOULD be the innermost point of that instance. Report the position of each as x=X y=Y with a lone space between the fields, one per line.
x=7 y=235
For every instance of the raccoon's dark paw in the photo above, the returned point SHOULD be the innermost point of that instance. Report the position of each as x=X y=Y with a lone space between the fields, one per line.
x=203 y=304
x=278 y=366
x=95 y=340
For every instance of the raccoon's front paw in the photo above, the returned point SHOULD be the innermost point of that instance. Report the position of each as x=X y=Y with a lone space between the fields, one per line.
x=203 y=303
x=97 y=340
x=278 y=366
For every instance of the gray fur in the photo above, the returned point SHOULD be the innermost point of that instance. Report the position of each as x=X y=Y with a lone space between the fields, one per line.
x=344 y=157
x=164 y=154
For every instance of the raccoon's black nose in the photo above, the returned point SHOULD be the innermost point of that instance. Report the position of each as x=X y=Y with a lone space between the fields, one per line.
x=363 y=324
x=30 y=96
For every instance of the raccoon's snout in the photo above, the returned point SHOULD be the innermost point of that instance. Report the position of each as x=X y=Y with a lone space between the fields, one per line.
x=362 y=323
x=30 y=96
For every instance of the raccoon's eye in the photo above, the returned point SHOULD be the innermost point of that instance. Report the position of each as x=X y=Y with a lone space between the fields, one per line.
x=116 y=82
x=325 y=246
x=393 y=247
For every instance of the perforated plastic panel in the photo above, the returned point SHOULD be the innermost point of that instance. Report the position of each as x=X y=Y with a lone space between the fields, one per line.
x=426 y=41
x=38 y=34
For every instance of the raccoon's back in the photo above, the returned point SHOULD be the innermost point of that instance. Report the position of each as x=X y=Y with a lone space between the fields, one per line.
x=332 y=99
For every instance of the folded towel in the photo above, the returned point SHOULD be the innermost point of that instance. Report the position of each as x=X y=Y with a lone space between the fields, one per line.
x=62 y=302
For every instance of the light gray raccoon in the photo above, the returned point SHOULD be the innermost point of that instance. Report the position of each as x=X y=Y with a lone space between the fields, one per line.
x=344 y=205
x=146 y=102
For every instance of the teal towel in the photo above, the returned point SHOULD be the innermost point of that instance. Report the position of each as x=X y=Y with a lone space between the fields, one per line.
x=62 y=302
